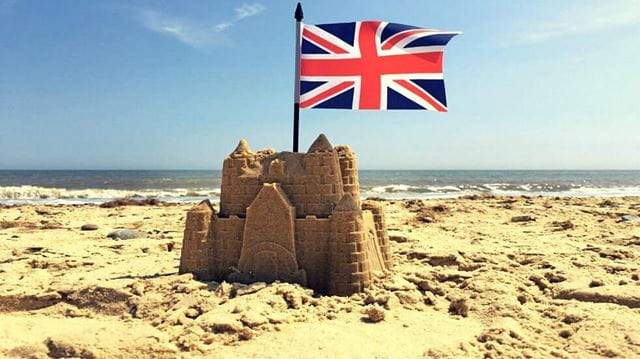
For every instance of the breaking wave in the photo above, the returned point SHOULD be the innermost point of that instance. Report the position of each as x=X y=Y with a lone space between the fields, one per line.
x=45 y=195
x=405 y=191
x=76 y=187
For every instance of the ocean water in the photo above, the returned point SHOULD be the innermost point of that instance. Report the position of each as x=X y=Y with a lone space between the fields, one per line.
x=58 y=187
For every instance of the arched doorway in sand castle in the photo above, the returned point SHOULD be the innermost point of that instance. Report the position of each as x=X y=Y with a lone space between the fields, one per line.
x=268 y=249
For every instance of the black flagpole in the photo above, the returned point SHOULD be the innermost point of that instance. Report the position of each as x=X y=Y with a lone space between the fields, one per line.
x=296 y=105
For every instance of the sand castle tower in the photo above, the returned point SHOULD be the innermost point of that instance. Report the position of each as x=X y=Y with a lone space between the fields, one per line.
x=288 y=216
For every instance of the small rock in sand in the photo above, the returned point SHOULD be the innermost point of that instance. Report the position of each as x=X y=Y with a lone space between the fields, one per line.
x=596 y=283
x=191 y=313
x=426 y=219
x=517 y=219
x=522 y=298
x=125 y=234
x=563 y=226
x=398 y=238
x=566 y=333
x=629 y=218
x=88 y=227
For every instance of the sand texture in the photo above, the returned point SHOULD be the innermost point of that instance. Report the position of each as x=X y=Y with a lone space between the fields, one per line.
x=477 y=277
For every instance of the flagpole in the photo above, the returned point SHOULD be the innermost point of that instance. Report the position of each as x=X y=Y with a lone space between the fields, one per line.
x=296 y=97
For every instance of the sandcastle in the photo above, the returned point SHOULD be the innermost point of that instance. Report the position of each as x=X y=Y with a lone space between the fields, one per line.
x=294 y=217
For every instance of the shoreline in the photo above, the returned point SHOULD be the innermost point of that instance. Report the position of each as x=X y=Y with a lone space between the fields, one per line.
x=191 y=200
x=43 y=187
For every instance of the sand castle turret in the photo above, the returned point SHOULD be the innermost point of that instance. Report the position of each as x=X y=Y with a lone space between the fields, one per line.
x=349 y=171
x=350 y=263
x=242 y=149
x=197 y=245
x=288 y=216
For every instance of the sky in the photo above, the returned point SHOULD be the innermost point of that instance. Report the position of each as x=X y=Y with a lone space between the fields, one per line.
x=175 y=84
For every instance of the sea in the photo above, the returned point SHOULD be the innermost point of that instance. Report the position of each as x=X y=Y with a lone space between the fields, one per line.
x=97 y=186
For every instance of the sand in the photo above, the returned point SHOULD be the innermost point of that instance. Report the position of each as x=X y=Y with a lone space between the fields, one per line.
x=478 y=277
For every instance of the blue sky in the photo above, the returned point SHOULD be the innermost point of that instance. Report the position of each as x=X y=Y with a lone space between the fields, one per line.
x=175 y=85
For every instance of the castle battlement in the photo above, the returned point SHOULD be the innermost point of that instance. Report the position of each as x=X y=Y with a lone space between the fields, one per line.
x=289 y=216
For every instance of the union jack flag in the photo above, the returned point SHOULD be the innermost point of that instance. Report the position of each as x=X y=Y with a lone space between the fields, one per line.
x=372 y=65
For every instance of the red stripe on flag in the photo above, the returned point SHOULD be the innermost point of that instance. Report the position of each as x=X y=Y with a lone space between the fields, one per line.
x=328 y=93
x=393 y=40
x=422 y=94
x=426 y=62
x=323 y=42
x=370 y=65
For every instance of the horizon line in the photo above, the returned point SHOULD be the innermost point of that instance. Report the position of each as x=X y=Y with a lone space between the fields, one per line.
x=362 y=169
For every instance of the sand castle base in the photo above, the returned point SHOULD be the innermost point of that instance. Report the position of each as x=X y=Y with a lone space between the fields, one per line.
x=294 y=217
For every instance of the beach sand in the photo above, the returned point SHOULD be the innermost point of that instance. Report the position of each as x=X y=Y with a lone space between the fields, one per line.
x=561 y=279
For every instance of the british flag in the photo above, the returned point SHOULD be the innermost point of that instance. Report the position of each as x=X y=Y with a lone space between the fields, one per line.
x=372 y=65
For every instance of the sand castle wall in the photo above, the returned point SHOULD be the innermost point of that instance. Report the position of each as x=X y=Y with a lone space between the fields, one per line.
x=312 y=243
x=312 y=181
x=382 y=235
x=212 y=253
x=227 y=236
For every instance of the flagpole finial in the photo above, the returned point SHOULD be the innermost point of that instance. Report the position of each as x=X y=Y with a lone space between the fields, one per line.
x=299 y=15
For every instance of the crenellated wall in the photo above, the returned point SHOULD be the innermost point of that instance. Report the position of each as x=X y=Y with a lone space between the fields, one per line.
x=239 y=185
x=313 y=181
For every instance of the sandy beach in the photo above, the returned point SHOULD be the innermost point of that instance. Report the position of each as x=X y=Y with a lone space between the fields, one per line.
x=474 y=277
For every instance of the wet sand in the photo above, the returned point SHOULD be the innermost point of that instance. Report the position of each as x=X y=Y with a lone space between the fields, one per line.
x=477 y=277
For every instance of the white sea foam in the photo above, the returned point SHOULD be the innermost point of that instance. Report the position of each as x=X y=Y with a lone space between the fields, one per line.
x=45 y=195
x=402 y=191
x=390 y=188
x=620 y=191
x=35 y=194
